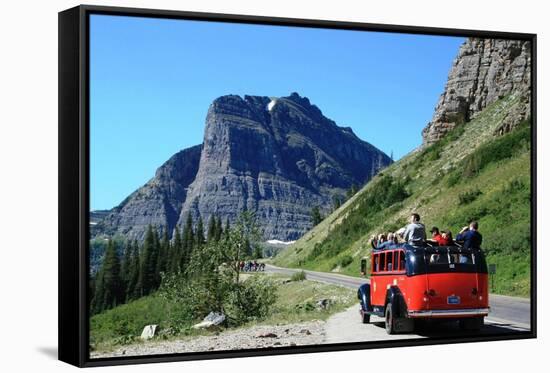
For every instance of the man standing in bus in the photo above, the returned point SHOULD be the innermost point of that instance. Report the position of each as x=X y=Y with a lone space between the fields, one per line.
x=415 y=233
x=470 y=235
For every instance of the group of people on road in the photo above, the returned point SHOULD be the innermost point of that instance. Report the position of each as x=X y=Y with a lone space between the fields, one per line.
x=415 y=234
x=251 y=266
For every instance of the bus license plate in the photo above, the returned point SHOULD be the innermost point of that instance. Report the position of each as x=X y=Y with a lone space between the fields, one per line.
x=453 y=299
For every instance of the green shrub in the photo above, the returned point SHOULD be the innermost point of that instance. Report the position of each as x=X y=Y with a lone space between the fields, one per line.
x=469 y=196
x=454 y=178
x=345 y=261
x=298 y=276
x=252 y=299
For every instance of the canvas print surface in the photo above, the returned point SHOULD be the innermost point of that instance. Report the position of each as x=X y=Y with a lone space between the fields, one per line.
x=260 y=187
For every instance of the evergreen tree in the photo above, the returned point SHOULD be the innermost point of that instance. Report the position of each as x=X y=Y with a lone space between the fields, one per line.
x=257 y=254
x=199 y=234
x=133 y=273
x=187 y=243
x=227 y=228
x=211 y=233
x=247 y=248
x=156 y=255
x=219 y=228
x=148 y=263
x=176 y=252
x=108 y=291
x=164 y=251
x=125 y=267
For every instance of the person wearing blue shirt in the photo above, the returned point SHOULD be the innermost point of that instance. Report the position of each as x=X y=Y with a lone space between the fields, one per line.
x=470 y=235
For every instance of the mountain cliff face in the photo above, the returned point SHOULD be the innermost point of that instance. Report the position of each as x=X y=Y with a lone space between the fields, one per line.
x=277 y=157
x=157 y=203
x=484 y=71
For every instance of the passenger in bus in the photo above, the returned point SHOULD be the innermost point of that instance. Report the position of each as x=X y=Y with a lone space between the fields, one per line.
x=400 y=232
x=415 y=232
x=447 y=238
x=389 y=243
x=436 y=239
x=470 y=236
x=464 y=259
x=375 y=242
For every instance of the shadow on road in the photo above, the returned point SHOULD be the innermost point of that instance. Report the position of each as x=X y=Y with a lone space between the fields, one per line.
x=451 y=329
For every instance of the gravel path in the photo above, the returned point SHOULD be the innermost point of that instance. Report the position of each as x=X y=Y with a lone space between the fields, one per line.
x=265 y=336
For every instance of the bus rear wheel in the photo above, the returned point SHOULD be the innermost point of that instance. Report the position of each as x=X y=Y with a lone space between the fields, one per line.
x=365 y=317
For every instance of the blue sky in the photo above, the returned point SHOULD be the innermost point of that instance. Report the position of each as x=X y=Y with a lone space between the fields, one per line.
x=152 y=80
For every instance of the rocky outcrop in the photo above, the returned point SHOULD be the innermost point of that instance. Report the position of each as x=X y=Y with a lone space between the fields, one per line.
x=157 y=203
x=484 y=71
x=277 y=157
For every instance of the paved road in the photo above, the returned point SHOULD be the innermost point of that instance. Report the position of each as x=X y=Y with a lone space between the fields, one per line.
x=509 y=312
x=346 y=327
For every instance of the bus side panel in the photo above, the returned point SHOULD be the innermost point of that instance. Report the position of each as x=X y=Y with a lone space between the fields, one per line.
x=483 y=286
x=379 y=285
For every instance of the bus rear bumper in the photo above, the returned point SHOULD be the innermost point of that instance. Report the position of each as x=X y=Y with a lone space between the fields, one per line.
x=468 y=312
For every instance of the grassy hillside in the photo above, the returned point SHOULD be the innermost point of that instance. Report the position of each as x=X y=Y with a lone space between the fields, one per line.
x=469 y=174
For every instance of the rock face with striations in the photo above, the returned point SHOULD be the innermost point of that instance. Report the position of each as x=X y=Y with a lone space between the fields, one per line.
x=484 y=71
x=277 y=157
x=157 y=203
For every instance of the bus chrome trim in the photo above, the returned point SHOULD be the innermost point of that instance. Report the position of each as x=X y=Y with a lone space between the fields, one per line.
x=450 y=313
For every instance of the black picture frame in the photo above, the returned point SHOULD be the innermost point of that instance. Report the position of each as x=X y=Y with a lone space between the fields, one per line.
x=74 y=182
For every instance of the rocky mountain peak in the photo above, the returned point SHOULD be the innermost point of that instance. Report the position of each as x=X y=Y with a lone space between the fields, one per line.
x=484 y=71
x=278 y=157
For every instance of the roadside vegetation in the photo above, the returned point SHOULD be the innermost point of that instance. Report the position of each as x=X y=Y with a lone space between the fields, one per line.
x=470 y=174
x=296 y=302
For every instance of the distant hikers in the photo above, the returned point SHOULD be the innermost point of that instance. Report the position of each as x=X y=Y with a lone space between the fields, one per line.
x=470 y=236
x=415 y=233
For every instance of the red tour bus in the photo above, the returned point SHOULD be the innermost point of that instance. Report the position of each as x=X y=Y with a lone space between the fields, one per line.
x=411 y=282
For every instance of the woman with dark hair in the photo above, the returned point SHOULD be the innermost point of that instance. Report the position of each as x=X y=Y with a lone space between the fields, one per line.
x=446 y=239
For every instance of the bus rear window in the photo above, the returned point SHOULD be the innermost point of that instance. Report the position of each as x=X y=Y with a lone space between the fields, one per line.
x=440 y=260
x=445 y=259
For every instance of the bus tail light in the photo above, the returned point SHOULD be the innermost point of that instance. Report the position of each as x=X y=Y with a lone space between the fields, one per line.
x=430 y=293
